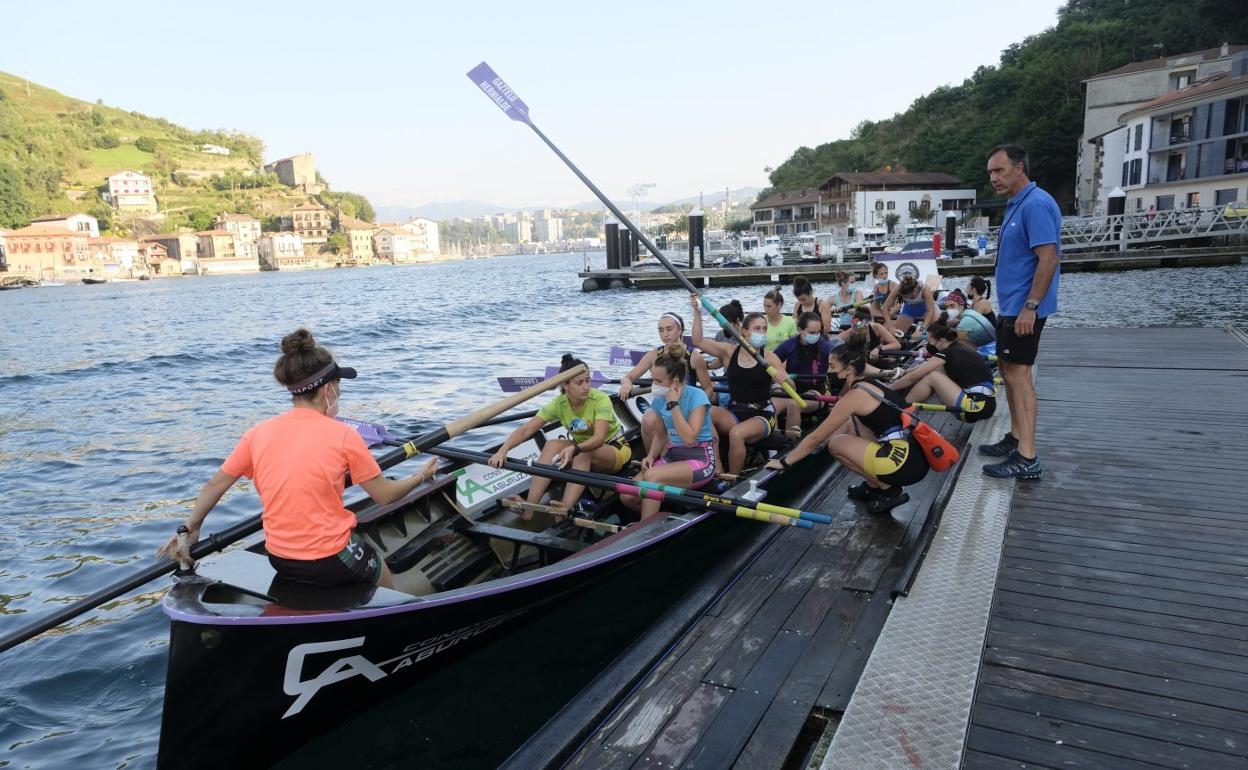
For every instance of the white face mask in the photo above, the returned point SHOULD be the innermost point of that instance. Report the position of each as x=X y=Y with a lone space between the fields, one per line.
x=659 y=393
x=331 y=407
x=953 y=312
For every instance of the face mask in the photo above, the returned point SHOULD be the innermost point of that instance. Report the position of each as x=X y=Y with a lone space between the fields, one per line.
x=836 y=383
x=331 y=407
x=758 y=339
x=659 y=393
x=810 y=339
x=952 y=312
x=932 y=349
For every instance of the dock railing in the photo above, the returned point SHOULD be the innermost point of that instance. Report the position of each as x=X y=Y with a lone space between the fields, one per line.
x=1137 y=229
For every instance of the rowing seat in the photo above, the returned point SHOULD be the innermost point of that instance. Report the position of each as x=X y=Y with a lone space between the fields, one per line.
x=251 y=573
x=544 y=543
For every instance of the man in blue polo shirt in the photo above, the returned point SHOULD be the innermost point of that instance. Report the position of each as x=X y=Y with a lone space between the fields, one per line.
x=1028 y=253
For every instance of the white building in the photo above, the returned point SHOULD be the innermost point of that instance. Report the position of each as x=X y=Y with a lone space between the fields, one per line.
x=131 y=191
x=1189 y=148
x=520 y=228
x=426 y=234
x=392 y=243
x=547 y=228
x=246 y=232
x=75 y=223
x=1110 y=94
x=280 y=251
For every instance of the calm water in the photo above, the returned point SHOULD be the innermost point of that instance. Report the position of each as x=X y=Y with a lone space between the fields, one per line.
x=118 y=401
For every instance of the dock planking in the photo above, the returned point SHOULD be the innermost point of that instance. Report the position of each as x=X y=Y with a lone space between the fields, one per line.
x=793 y=632
x=1118 y=635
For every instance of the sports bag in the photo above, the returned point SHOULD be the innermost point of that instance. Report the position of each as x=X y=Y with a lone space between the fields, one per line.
x=940 y=454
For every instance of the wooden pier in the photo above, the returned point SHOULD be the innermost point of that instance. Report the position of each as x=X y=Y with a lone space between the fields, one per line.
x=1113 y=632
x=595 y=280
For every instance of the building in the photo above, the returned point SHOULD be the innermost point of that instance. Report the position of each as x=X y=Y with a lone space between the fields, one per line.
x=298 y=171
x=1109 y=95
x=1189 y=148
x=392 y=243
x=426 y=232
x=4 y=251
x=359 y=236
x=547 y=228
x=246 y=230
x=157 y=260
x=111 y=255
x=77 y=223
x=218 y=254
x=284 y=251
x=787 y=212
x=131 y=191
x=519 y=227
x=46 y=252
x=183 y=247
x=310 y=221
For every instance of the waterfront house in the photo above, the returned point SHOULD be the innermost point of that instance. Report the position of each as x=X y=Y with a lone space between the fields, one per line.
x=130 y=191
x=865 y=199
x=156 y=258
x=218 y=254
x=787 y=212
x=4 y=258
x=426 y=236
x=44 y=251
x=246 y=230
x=183 y=247
x=359 y=236
x=285 y=251
x=392 y=243
x=78 y=223
x=310 y=221
x=114 y=256
x=1105 y=141
x=1192 y=149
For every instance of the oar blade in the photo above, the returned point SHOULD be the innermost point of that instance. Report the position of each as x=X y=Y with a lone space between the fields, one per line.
x=499 y=92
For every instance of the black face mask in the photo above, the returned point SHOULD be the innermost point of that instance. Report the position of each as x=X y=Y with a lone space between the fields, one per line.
x=932 y=349
x=836 y=383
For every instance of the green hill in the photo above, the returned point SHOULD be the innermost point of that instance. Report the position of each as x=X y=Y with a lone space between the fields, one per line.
x=55 y=152
x=1034 y=96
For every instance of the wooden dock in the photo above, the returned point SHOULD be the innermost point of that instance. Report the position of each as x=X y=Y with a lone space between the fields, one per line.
x=1118 y=628
x=595 y=280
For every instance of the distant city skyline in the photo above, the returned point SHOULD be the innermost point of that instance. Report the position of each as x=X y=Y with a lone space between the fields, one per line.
x=686 y=97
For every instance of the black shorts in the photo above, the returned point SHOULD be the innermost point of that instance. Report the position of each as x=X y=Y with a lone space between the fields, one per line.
x=1016 y=349
x=355 y=563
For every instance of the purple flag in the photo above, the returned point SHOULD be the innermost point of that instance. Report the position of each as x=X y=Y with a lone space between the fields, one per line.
x=499 y=92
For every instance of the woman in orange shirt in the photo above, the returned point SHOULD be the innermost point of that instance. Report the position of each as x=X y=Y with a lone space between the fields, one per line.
x=299 y=461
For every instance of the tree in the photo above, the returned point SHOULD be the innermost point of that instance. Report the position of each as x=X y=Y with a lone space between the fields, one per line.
x=200 y=218
x=336 y=243
x=107 y=141
x=922 y=212
x=740 y=225
x=15 y=207
x=890 y=220
x=105 y=214
x=145 y=143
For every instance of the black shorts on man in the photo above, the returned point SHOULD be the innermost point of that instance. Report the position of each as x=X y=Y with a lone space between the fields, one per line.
x=1015 y=348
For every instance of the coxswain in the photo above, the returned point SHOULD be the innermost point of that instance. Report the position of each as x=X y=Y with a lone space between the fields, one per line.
x=684 y=454
x=299 y=461
x=956 y=374
x=749 y=416
x=917 y=304
x=864 y=434
x=595 y=442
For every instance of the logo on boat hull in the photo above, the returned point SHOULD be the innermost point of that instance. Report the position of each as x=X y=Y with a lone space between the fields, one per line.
x=350 y=666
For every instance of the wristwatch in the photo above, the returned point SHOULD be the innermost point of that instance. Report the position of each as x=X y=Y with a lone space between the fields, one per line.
x=1031 y=304
x=672 y=405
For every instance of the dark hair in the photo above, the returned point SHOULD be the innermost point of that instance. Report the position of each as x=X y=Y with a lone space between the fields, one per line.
x=941 y=331
x=776 y=297
x=570 y=362
x=733 y=312
x=801 y=285
x=675 y=316
x=301 y=358
x=854 y=352
x=907 y=286
x=1015 y=153
x=862 y=312
x=982 y=285
x=673 y=365
x=844 y=275
x=875 y=267
x=806 y=318
x=750 y=318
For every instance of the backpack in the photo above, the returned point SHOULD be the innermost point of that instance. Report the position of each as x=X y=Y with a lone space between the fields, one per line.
x=940 y=454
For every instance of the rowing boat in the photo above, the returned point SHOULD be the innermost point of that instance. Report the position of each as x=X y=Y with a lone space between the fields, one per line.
x=273 y=664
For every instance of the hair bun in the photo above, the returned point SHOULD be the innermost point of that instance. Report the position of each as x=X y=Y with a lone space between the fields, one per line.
x=568 y=358
x=736 y=303
x=300 y=340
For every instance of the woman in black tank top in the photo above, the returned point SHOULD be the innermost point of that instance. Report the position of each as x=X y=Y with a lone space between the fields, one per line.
x=979 y=292
x=749 y=417
x=957 y=374
x=864 y=433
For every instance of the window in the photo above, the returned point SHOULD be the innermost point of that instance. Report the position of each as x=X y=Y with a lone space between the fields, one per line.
x=1165 y=202
x=1180 y=128
x=1139 y=135
x=912 y=205
x=1139 y=204
x=1125 y=166
x=1193 y=200
x=879 y=205
x=1230 y=122
x=1137 y=166
x=892 y=205
x=1174 y=167
x=1223 y=197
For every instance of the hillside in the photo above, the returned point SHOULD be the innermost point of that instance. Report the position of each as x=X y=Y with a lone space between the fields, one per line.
x=1034 y=96
x=55 y=152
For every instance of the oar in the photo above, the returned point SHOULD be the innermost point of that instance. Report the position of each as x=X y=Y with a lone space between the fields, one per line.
x=745 y=509
x=515 y=384
x=513 y=107
x=219 y=540
x=553 y=510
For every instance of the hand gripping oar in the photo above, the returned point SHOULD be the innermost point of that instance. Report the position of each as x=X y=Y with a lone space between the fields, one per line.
x=745 y=509
x=219 y=540
x=513 y=107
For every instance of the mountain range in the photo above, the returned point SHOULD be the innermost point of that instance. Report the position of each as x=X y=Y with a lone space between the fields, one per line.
x=470 y=208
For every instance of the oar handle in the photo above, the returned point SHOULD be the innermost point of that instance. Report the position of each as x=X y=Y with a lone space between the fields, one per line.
x=727 y=326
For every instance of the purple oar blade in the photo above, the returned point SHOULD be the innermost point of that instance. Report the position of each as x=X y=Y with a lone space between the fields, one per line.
x=372 y=433
x=499 y=92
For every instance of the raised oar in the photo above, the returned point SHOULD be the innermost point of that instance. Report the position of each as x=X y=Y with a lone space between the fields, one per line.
x=513 y=107
x=514 y=384
x=746 y=509
x=219 y=540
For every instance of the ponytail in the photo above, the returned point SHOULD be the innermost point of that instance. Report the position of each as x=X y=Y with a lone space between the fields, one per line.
x=776 y=297
x=983 y=286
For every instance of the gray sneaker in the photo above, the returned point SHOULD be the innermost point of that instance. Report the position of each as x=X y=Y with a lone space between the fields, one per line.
x=1002 y=448
x=1015 y=467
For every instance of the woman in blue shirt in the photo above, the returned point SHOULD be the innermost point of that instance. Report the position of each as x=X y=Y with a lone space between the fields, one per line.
x=805 y=353
x=684 y=454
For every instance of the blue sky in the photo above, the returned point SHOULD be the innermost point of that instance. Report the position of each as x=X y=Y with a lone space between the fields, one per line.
x=686 y=95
